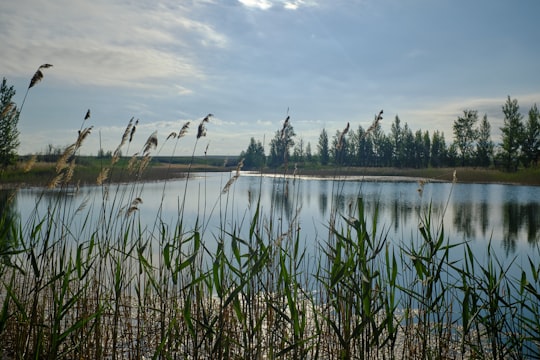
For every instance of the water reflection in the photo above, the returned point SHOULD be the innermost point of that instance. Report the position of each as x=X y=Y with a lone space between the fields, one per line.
x=509 y=216
x=532 y=217
x=518 y=218
x=464 y=220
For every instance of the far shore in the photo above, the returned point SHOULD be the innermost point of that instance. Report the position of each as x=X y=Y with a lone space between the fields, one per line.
x=42 y=173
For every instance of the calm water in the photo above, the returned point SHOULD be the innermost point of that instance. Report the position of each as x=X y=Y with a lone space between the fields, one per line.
x=508 y=216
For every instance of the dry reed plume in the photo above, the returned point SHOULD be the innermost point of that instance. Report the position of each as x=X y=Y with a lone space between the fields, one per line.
x=201 y=131
x=285 y=124
x=341 y=140
x=375 y=123
x=151 y=143
x=134 y=206
x=9 y=106
x=234 y=178
x=30 y=163
x=38 y=75
x=65 y=170
x=102 y=176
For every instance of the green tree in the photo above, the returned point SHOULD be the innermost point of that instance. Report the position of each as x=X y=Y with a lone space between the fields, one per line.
x=9 y=117
x=465 y=134
x=396 y=138
x=281 y=144
x=531 y=140
x=299 y=151
x=254 y=157
x=379 y=145
x=438 y=149
x=409 y=148
x=512 y=135
x=426 y=149
x=339 y=148
x=309 y=155
x=361 y=148
x=484 y=147
x=451 y=155
x=323 y=148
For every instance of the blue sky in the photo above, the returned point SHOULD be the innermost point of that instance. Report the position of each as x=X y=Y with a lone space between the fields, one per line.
x=247 y=61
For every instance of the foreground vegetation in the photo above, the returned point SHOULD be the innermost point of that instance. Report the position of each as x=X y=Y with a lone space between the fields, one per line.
x=111 y=287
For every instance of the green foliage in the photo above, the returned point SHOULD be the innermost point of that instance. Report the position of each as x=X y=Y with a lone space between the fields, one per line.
x=323 y=148
x=396 y=139
x=254 y=157
x=512 y=135
x=466 y=135
x=281 y=145
x=484 y=147
x=531 y=139
x=9 y=117
x=438 y=149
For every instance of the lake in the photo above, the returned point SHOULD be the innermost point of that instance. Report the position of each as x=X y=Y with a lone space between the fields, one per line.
x=508 y=216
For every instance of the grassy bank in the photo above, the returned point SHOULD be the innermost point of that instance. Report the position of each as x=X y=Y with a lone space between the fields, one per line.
x=88 y=169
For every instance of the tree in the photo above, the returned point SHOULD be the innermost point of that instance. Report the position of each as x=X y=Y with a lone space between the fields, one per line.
x=309 y=156
x=438 y=149
x=9 y=117
x=254 y=157
x=323 y=149
x=419 y=150
x=299 y=151
x=281 y=144
x=385 y=150
x=378 y=140
x=396 y=137
x=339 y=149
x=451 y=155
x=512 y=135
x=465 y=134
x=408 y=147
x=484 y=147
x=531 y=140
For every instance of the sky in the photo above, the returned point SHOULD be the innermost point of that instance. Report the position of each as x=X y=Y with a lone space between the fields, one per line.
x=253 y=62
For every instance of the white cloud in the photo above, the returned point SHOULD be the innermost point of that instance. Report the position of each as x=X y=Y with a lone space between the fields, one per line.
x=267 y=4
x=106 y=43
x=260 y=4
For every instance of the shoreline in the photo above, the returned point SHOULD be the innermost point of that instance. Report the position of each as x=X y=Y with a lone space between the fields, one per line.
x=84 y=176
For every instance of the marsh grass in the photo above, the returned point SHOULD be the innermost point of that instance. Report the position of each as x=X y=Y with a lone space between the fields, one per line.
x=79 y=285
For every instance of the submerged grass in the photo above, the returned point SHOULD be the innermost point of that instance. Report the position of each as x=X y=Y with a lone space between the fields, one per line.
x=77 y=286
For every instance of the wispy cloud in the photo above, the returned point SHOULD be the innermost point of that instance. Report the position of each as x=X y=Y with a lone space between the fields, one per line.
x=267 y=4
x=106 y=42
x=259 y=4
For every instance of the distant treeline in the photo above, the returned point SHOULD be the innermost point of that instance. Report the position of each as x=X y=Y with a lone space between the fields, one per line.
x=403 y=147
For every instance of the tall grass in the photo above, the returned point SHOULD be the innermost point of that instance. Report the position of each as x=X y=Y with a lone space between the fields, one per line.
x=79 y=285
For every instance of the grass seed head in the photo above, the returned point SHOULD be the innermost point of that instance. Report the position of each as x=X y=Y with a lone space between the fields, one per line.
x=38 y=75
x=151 y=143
x=183 y=130
x=201 y=131
x=30 y=163
x=103 y=175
